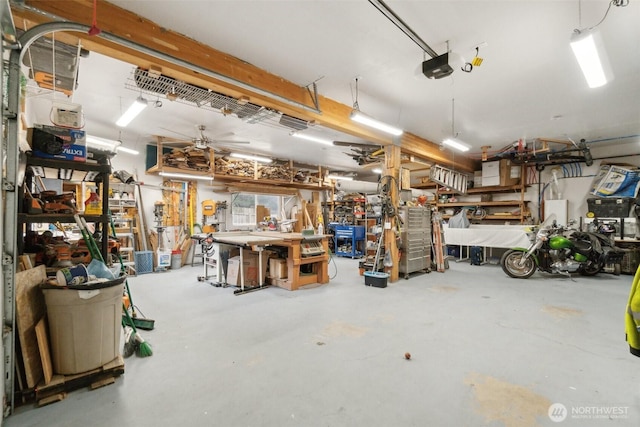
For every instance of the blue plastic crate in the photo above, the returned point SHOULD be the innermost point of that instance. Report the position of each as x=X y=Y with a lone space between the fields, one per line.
x=143 y=261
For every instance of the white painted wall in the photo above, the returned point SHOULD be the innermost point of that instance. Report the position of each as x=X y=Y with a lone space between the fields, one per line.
x=576 y=184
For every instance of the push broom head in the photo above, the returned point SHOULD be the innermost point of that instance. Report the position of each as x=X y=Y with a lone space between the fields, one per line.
x=143 y=349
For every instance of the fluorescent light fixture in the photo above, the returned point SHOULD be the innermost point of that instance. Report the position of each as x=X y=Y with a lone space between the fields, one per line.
x=250 y=157
x=108 y=144
x=131 y=113
x=377 y=170
x=340 y=177
x=454 y=143
x=588 y=47
x=312 y=138
x=362 y=118
x=185 y=176
x=127 y=150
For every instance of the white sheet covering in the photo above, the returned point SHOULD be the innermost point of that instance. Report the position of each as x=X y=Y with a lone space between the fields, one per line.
x=492 y=236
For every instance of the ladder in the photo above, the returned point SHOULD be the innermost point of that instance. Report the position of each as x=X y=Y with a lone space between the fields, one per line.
x=125 y=218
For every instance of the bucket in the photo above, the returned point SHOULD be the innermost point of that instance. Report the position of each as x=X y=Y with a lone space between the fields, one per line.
x=164 y=258
x=376 y=279
x=176 y=259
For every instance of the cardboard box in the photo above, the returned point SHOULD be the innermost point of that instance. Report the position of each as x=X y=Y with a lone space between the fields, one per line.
x=500 y=172
x=250 y=269
x=52 y=142
x=278 y=268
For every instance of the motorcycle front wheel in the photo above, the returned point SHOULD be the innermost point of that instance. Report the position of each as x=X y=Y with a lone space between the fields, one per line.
x=510 y=263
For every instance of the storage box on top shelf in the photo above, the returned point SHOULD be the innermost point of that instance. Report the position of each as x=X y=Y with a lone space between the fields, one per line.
x=500 y=172
x=53 y=142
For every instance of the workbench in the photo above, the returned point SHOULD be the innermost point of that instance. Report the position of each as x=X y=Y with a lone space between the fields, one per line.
x=268 y=240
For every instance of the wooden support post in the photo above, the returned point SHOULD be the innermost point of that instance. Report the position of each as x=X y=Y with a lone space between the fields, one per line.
x=392 y=168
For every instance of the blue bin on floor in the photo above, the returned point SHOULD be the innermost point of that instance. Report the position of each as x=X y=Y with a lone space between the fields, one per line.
x=143 y=261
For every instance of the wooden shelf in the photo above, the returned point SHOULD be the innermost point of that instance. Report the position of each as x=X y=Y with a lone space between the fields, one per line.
x=224 y=178
x=494 y=189
x=479 y=203
x=53 y=218
x=154 y=170
x=516 y=205
x=432 y=186
x=269 y=182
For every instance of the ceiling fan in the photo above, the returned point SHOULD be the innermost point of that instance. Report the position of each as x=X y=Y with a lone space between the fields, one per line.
x=202 y=141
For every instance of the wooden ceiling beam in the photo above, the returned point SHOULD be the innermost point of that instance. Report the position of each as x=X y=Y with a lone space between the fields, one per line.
x=127 y=25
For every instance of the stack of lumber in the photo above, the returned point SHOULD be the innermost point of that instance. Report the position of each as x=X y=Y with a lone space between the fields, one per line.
x=226 y=166
x=190 y=158
x=280 y=172
x=306 y=177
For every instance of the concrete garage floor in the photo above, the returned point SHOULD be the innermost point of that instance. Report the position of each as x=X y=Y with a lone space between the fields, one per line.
x=486 y=350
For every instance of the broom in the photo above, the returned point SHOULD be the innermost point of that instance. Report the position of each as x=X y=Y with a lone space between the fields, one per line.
x=142 y=323
x=132 y=340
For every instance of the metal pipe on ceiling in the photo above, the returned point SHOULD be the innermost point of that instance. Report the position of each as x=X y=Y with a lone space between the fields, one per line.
x=391 y=16
x=71 y=26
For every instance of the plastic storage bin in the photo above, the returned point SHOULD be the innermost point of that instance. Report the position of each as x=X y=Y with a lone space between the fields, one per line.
x=610 y=207
x=84 y=325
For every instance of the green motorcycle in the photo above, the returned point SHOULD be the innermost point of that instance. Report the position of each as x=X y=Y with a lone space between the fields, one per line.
x=557 y=249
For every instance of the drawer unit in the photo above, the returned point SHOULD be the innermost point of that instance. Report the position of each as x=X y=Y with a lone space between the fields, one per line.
x=349 y=240
x=416 y=240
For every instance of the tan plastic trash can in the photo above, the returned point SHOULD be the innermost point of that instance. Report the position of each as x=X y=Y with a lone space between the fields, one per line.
x=84 y=325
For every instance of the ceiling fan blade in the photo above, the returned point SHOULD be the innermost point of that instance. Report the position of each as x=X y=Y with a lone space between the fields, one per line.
x=355 y=144
x=168 y=141
x=229 y=141
x=177 y=133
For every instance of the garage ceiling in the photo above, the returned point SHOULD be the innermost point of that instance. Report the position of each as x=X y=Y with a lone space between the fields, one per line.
x=529 y=84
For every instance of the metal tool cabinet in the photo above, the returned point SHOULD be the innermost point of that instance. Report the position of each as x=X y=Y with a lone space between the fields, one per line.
x=347 y=240
x=416 y=240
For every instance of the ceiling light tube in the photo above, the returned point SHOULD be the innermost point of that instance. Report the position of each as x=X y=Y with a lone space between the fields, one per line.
x=454 y=143
x=359 y=117
x=312 y=138
x=134 y=109
x=588 y=47
x=250 y=157
x=127 y=150
x=340 y=177
x=102 y=143
x=185 y=176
